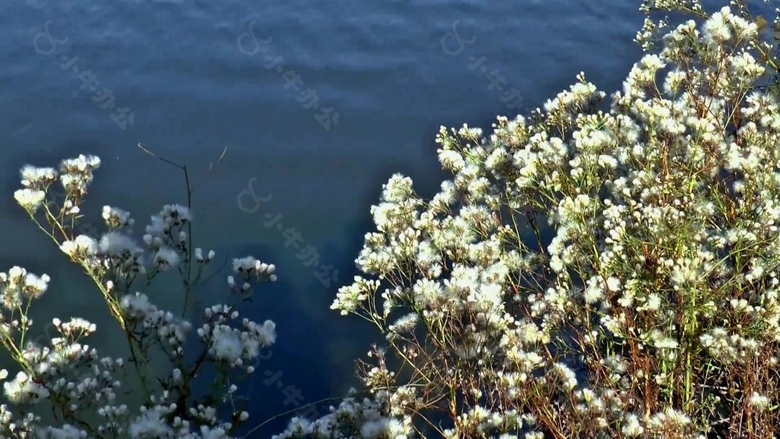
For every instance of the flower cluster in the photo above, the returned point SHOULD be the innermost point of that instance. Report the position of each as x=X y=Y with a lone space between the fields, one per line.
x=363 y=418
x=588 y=273
x=232 y=345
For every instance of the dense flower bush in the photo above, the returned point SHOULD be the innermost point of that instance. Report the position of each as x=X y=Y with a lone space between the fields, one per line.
x=653 y=310
x=83 y=388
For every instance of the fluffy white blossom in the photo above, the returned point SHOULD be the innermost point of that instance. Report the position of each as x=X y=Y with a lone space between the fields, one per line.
x=30 y=199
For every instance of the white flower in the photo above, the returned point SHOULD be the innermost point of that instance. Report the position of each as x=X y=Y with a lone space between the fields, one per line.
x=227 y=344
x=758 y=401
x=23 y=389
x=37 y=178
x=631 y=426
x=116 y=218
x=64 y=432
x=30 y=199
x=613 y=284
x=151 y=425
x=137 y=305
x=82 y=163
x=118 y=244
x=175 y=214
x=245 y=264
x=374 y=429
x=249 y=265
x=158 y=227
x=166 y=258
x=82 y=244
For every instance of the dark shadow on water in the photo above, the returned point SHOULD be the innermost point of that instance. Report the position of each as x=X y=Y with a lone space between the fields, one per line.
x=318 y=353
x=299 y=353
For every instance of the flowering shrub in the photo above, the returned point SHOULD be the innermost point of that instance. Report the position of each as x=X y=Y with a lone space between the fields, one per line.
x=652 y=312
x=81 y=387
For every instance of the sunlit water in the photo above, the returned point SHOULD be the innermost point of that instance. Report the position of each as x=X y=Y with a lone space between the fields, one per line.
x=384 y=66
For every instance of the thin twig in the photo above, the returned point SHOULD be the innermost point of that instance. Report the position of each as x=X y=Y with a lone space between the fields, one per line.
x=190 y=191
x=212 y=165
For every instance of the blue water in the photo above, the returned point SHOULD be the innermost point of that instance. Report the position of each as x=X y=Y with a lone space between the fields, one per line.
x=176 y=66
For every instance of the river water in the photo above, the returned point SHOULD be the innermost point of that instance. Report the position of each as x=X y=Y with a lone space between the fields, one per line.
x=188 y=80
